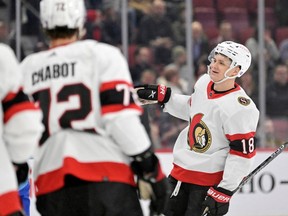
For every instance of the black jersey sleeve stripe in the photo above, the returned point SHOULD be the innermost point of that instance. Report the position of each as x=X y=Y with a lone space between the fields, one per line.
x=116 y=96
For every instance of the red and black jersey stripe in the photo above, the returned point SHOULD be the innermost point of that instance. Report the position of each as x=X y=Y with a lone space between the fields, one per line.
x=14 y=103
x=113 y=99
x=242 y=144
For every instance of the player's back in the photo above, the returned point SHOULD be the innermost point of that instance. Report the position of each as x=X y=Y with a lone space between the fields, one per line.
x=66 y=81
x=82 y=89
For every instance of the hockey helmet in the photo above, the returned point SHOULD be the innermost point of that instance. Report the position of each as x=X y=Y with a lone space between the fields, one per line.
x=62 y=13
x=238 y=53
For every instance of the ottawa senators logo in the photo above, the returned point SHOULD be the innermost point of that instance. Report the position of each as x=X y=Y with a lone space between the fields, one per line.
x=199 y=136
x=244 y=101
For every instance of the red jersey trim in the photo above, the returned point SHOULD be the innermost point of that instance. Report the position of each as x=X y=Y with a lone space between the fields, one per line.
x=119 y=107
x=97 y=172
x=160 y=174
x=196 y=177
x=16 y=108
x=10 y=96
x=234 y=137
x=211 y=94
x=250 y=155
x=10 y=203
x=111 y=85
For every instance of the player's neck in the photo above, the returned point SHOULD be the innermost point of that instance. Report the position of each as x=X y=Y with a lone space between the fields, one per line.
x=62 y=41
x=225 y=86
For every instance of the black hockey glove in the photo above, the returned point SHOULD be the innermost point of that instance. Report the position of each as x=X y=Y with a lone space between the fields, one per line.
x=160 y=196
x=217 y=201
x=149 y=94
x=22 y=171
x=152 y=183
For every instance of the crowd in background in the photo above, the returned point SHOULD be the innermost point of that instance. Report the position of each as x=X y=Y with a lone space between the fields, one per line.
x=157 y=50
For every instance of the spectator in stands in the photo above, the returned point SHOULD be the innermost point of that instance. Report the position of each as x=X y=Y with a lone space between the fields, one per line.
x=171 y=77
x=93 y=4
x=139 y=8
x=281 y=12
x=148 y=76
x=276 y=93
x=225 y=34
x=283 y=50
x=179 y=58
x=31 y=31
x=169 y=129
x=202 y=66
x=93 y=24
x=200 y=43
x=143 y=61
x=3 y=32
x=179 y=27
x=169 y=126
x=250 y=87
x=8 y=38
x=155 y=30
x=111 y=26
x=271 y=140
x=149 y=116
x=271 y=51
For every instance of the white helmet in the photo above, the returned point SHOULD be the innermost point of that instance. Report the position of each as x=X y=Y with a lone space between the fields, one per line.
x=62 y=13
x=238 y=53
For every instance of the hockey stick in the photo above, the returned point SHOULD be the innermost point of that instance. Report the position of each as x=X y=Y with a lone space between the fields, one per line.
x=255 y=171
x=144 y=102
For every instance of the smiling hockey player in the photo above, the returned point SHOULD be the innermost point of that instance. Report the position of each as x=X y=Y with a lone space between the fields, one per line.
x=215 y=152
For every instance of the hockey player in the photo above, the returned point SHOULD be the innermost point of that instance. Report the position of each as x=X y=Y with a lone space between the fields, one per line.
x=94 y=143
x=215 y=152
x=20 y=130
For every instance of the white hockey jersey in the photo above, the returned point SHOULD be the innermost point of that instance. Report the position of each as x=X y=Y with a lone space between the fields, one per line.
x=91 y=114
x=20 y=129
x=218 y=146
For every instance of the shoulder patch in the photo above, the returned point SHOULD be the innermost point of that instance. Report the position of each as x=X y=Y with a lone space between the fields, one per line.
x=244 y=101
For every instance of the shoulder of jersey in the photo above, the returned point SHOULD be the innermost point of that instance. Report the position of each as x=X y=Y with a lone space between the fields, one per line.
x=4 y=48
x=6 y=52
x=243 y=99
x=203 y=80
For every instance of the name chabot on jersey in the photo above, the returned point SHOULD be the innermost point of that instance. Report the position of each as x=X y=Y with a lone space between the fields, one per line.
x=53 y=72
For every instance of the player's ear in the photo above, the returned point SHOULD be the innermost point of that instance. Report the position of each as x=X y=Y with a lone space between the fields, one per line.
x=235 y=71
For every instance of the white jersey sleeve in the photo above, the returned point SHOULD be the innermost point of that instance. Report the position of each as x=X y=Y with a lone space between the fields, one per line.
x=240 y=131
x=22 y=119
x=178 y=106
x=9 y=69
x=119 y=104
x=20 y=129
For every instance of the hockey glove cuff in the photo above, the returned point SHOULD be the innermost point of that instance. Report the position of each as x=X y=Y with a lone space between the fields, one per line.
x=217 y=201
x=153 y=93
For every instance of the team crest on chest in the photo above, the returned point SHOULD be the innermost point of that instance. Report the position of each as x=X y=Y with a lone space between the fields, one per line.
x=199 y=136
x=244 y=101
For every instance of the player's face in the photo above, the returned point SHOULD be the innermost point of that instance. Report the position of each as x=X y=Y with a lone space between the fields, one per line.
x=219 y=65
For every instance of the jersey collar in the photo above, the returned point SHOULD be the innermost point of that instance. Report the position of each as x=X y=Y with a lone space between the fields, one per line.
x=212 y=94
x=60 y=45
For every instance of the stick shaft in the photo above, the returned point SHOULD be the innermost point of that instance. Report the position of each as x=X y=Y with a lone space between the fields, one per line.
x=261 y=166
x=255 y=171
